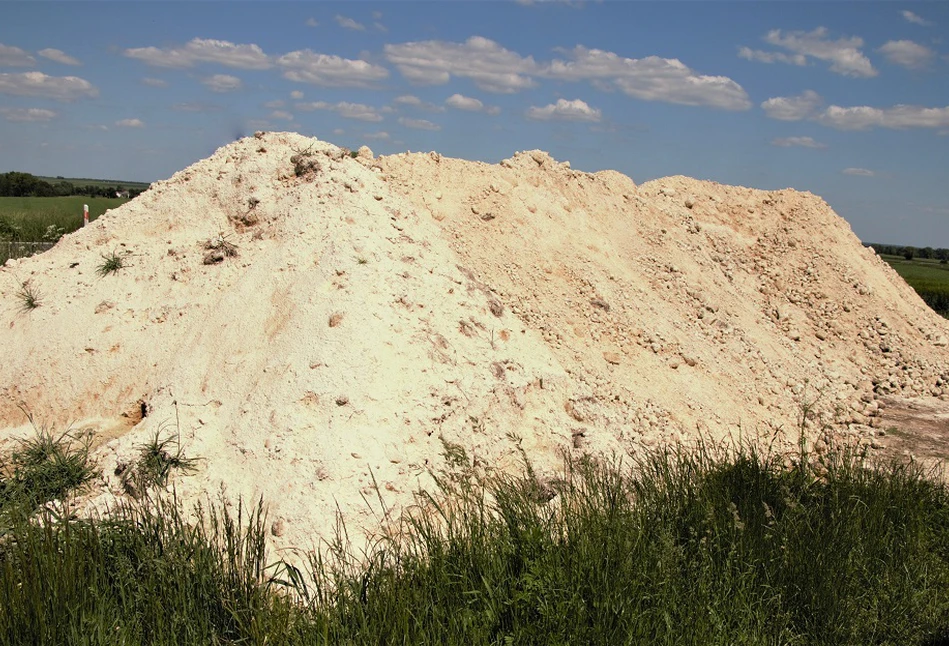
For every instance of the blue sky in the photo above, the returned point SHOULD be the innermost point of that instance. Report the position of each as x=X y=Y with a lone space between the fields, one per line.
x=849 y=100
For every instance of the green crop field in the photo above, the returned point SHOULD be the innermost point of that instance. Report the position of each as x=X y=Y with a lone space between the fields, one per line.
x=31 y=216
x=82 y=181
x=44 y=219
x=928 y=277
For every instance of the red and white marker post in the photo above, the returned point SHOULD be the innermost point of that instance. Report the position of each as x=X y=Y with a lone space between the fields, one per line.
x=85 y=214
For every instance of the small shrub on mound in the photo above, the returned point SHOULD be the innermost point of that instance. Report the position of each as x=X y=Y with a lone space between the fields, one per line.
x=44 y=468
x=111 y=263
x=29 y=296
x=157 y=459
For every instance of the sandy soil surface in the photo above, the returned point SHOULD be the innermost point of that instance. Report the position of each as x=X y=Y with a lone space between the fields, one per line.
x=375 y=308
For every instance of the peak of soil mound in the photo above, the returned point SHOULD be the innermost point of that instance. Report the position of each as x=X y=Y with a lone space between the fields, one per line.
x=314 y=323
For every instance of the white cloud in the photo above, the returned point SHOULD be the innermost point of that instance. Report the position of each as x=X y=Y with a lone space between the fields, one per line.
x=339 y=131
x=204 y=50
x=897 y=117
x=419 y=124
x=222 y=83
x=844 y=54
x=153 y=82
x=27 y=114
x=380 y=27
x=15 y=57
x=793 y=108
x=907 y=53
x=804 y=142
x=281 y=114
x=495 y=69
x=771 y=57
x=305 y=66
x=489 y=65
x=909 y=16
x=296 y=94
x=60 y=88
x=312 y=22
x=130 y=123
x=461 y=102
x=564 y=110
x=382 y=135
x=650 y=79
x=58 y=56
x=344 y=109
x=415 y=102
x=858 y=172
x=349 y=23
x=274 y=104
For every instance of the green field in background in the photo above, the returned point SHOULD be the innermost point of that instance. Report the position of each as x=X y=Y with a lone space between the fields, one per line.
x=44 y=219
x=928 y=277
x=82 y=181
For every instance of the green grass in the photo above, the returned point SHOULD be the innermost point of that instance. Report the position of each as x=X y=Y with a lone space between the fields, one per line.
x=157 y=459
x=928 y=277
x=43 y=468
x=111 y=263
x=81 y=181
x=29 y=218
x=689 y=546
x=29 y=296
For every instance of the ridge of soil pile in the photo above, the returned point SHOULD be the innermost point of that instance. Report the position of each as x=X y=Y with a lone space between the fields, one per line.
x=314 y=325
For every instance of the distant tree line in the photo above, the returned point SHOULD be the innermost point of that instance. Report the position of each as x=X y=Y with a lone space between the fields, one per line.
x=927 y=253
x=25 y=185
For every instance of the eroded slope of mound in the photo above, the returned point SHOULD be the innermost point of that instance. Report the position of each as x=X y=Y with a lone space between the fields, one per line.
x=376 y=307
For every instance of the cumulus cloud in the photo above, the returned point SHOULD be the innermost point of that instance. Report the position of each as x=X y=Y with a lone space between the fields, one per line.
x=859 y=172
x=153 y=82
x=59 y=56
x=650 y=79
x=461 y=102
x=489 y=65
x=565 y=110
x=204 y=50
x=349 y=23
x=222 y=83
x=804 y=142
x=15 y=57
x=296 y=94
x=27 y=114
x=130 y=123
x=419 y=124
x=415 y=102
x=59 y=88
x=793 y=108
x=771 y=57
x=898 y=117
x=843 y=54
x=494 y=68
x=305 y=66
x=909 y=16
x=344 y=109
x=281 y=114
x=381 y=135
x=907 y=53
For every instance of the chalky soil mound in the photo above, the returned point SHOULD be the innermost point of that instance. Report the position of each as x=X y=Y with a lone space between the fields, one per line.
x=315 y=325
